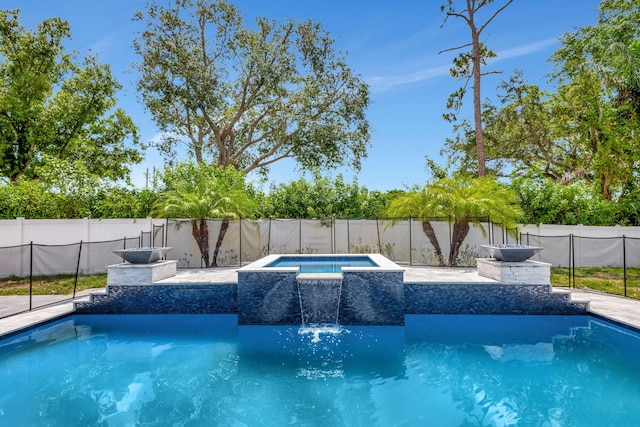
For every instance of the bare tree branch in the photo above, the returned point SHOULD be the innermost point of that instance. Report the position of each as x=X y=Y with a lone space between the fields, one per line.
x=455 y=48
x=494 y=15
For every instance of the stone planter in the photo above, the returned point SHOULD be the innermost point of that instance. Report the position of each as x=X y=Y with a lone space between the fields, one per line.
x=511 y=252
x=142 y=255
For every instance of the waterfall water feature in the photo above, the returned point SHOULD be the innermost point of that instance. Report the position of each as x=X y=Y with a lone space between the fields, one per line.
x=319 y=300
x=303 y=291
x=319 y=306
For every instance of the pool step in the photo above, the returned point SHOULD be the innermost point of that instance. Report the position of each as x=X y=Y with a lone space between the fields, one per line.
x=88 y=299
x=566 y=296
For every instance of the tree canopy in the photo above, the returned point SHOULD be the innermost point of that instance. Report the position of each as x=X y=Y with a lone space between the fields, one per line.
x=584 y=127
x=546 y=202
x=54 y=107
x=597 y=67
x=249 y=97
x=68 y=190
x=325 y=198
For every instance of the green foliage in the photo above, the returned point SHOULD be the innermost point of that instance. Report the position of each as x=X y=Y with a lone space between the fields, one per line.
x=27 y=199
x=462 y=200
x=608 y=49
x=68 y=190
x=200 y=192
x=124 y=203
x=546 y=202
x=249 y=97
x=530 y=132
x=323 y=198
x=51 y=106
x=33 y=200
x=584 y=130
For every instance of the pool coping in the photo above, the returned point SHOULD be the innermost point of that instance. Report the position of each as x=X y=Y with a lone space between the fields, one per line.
x=619 y=310
x=383 y=264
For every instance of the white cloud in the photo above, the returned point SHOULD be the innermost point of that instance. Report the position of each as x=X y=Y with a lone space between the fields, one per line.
x=381 y=84
x=526 y=49
x=384 y=83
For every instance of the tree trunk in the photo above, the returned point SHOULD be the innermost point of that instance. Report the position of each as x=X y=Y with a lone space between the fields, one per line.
x=223 y=231
x=431 y=234
x=201 y=234
x=460 y=231
x=477 y=104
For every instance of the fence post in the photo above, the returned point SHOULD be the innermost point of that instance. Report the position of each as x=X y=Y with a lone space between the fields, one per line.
x=75 y=283
x=379 y=242
x=300 y=234
x=240 y=238
x=450 y=234
x=20 y=230
x=333 y=233
x=348 y=238
x=624 y=262
x=410 y=244
x=572 y=263
x=269 y=239
x=30 y=275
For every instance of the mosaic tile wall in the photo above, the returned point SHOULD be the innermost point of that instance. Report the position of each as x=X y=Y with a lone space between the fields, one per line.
x=164 y=299
x=489 y=298
x=366 y=298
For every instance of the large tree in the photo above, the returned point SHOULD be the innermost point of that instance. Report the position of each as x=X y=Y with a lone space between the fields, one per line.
x=54 y=107
x=597 y=69
x=533 y=130
x=249 y=96
x=468 y=65
x=583 y=130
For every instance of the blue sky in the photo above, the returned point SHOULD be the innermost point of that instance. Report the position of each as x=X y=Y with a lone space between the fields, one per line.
x=392 y=45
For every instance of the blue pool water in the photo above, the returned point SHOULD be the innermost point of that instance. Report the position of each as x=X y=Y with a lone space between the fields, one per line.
x=320 y=264
x=438 y=370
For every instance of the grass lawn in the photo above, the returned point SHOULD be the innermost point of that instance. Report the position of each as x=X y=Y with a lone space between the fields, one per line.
x=61 y=284
x=604 y=279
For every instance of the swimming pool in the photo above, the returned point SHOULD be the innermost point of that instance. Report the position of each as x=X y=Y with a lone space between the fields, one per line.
x=440 y=370
x=322 y=264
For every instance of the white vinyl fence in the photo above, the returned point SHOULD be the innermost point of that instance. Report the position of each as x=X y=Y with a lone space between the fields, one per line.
x=85 y=246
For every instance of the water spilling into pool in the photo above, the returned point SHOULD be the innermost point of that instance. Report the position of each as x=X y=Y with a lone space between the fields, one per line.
x=349 y=289
x=436 y=370
x=319 y=300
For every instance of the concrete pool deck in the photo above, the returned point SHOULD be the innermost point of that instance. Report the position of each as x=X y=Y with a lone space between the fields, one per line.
x=619 y=309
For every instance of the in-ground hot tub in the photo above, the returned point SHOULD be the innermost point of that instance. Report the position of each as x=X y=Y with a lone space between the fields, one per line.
x=322 y=263
x=354 y=289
